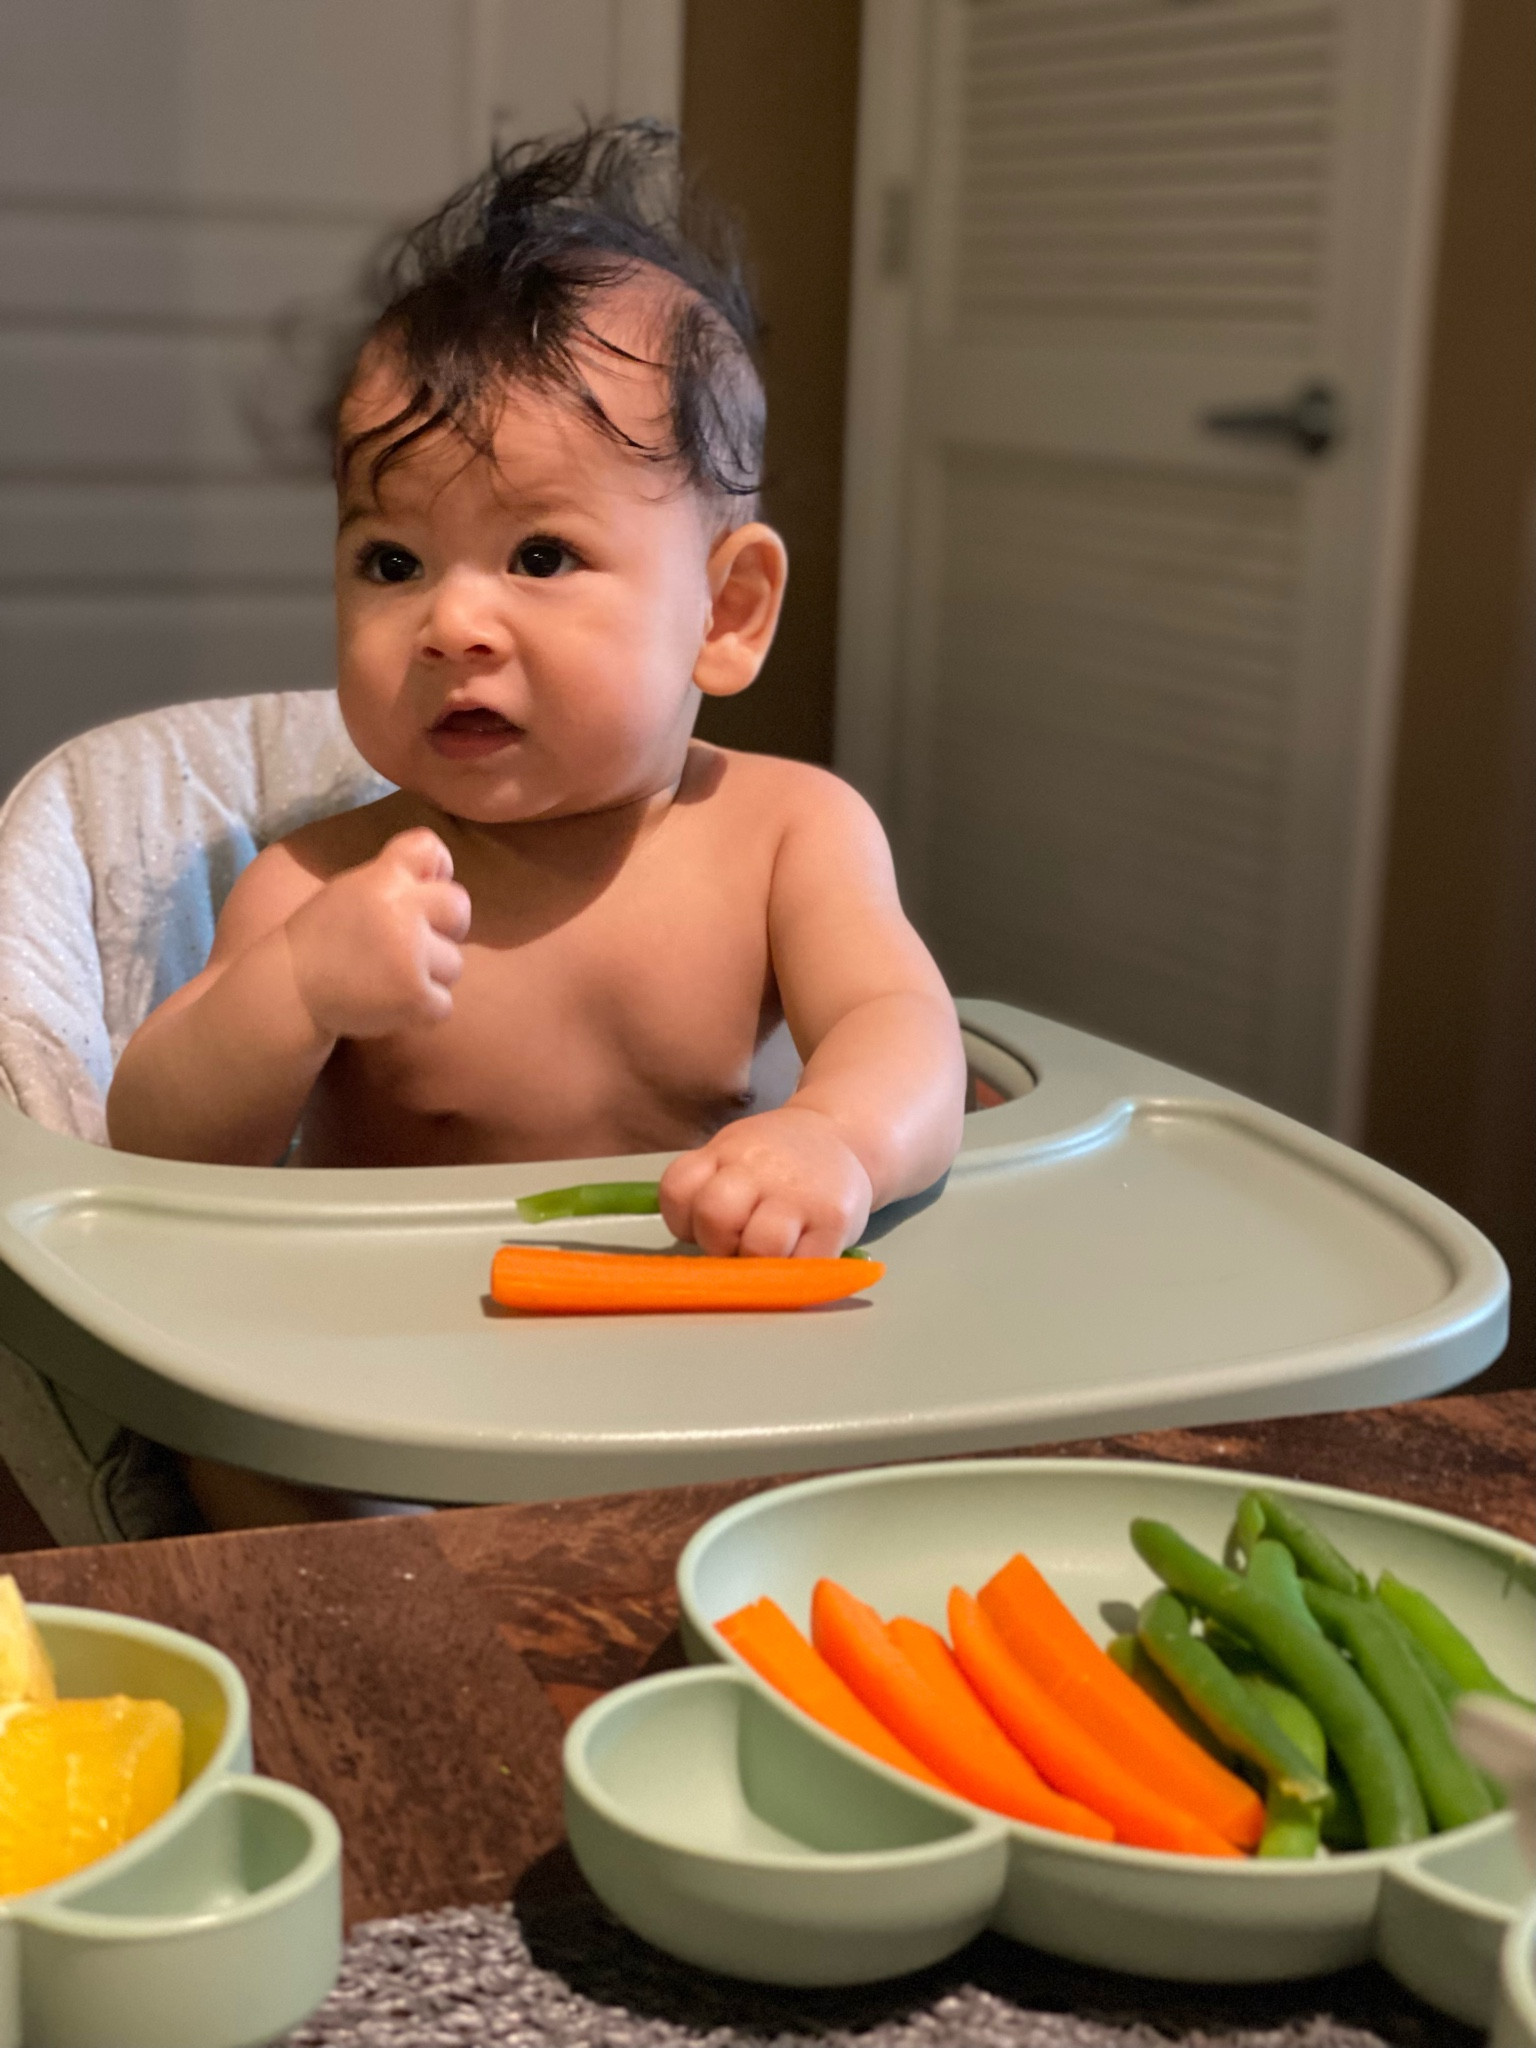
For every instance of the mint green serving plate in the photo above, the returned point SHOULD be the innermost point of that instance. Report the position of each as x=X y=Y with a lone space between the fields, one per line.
x=1514 y=2024
x=217 y=1927
x=726 y=1827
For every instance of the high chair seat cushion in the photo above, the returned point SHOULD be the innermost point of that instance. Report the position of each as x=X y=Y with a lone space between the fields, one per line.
x=116 y=855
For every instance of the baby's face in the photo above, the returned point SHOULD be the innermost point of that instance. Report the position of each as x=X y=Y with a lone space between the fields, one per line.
x=518 y=634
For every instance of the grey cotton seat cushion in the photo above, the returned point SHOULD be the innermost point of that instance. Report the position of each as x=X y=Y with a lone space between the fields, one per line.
x=116 y=855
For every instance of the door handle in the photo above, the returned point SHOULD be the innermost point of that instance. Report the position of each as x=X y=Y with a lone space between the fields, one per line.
x=1309 y=421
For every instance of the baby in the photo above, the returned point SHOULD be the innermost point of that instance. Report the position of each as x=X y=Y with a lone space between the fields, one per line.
x=573 y=926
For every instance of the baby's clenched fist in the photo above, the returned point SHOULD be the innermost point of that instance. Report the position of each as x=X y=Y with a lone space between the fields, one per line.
x=784 y=1183
x=377 y=949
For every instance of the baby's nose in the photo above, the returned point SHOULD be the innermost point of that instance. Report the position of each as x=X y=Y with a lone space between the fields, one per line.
x=464 y=623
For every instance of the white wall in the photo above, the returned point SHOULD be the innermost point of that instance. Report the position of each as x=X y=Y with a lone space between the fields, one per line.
x=174 y=175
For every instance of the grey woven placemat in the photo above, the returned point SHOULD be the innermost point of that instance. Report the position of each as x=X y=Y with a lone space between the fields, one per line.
x=554 y=1971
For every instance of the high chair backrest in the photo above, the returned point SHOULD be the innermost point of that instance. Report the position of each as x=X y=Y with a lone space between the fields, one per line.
x=116 y=854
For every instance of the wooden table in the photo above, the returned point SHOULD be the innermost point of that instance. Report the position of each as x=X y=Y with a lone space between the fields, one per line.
x=415 y=1672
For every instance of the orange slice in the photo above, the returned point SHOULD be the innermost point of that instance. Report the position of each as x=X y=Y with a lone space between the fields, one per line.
x=79 y=1778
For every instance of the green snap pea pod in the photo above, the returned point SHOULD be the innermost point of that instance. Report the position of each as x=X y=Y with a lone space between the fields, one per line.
x=1316 y=1558
x=1272 y=1570
x=1225 y=1705
x=1247 y=1528
x=1127 y=1652
x=1357 y=1727
x=1292 y=1827
x=1453 y=1791
x=1342 y=1825
x=1440 y=1635
x=592 y=1198
x=1450 y=1692
x=1235 y=1652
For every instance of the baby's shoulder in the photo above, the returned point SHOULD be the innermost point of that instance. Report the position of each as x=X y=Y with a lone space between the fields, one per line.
x=328 y=846
x=287 y=873
x=784 y=795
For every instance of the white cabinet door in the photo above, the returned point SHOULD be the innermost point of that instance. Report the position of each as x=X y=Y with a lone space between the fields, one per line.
x=1120 y=640
x=174 y=175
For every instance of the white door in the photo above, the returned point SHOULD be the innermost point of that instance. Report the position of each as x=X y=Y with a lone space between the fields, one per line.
x=1140 y=302
x=174 y=175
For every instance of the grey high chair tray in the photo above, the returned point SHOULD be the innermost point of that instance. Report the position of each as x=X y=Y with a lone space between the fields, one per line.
x=1120 y=1246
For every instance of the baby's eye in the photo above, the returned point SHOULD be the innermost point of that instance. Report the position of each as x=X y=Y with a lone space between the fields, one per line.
x=542 y=556
x=384 y=562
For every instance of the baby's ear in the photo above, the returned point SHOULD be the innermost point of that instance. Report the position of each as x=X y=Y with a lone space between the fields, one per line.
x=747 y=570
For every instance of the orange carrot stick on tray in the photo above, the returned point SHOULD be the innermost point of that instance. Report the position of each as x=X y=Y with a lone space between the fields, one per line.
x=967 y=1749
x=765 y=1636
x=1044 y=1636
x=543 y=1280
x=1062 y=1752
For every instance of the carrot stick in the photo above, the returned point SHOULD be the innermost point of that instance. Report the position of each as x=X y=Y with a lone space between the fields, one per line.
x=1043 y=1635
x=765 y=1636
x=930 y=1656
x=1061 y=1752
x=969 y=1750
x=541 y=1280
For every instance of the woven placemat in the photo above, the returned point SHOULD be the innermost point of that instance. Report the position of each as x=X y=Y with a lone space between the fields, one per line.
x=553 y=1970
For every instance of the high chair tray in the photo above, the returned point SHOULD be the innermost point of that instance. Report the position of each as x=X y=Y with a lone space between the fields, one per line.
x=1120 y=1247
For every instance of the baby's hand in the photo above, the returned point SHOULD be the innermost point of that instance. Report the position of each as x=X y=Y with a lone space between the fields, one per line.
x=377 y=949
x=782 y=1183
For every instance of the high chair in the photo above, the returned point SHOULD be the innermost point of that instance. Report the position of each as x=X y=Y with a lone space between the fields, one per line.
x=1118 y=1245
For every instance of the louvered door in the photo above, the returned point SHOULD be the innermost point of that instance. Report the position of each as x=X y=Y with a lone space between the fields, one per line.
x=1121 y=678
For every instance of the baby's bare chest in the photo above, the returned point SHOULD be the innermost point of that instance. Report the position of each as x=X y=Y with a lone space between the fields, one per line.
x=629 y=1024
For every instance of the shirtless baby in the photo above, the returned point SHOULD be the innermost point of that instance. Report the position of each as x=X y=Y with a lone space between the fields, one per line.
x=573 y=926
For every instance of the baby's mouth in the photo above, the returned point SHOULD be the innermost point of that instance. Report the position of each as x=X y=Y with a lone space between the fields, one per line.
x=471 y=732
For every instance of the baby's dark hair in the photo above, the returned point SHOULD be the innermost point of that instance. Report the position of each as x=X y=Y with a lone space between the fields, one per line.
x=494 y=289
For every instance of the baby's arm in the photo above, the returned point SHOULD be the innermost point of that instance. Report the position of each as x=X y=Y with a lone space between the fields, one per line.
x=222 y=1070
x=879 y=1108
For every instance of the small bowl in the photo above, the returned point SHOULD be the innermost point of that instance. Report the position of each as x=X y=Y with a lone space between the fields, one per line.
x=729 y=1834
x=1434 y=1911
x=217 y=1927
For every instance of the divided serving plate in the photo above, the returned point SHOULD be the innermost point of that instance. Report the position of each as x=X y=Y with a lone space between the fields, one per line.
x=729 y=1829
x=217 y=1927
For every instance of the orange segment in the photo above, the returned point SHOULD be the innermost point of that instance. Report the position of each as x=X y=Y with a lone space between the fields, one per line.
x=79 y=1778
x=25 y=1671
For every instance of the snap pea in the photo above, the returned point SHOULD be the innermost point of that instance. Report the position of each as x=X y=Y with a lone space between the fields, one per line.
x=592 y=1198
x=1292 y=1827
x=1222 y=1701
x=1450 y=1692
x=1440 y=1635
x=1356 y=1726
x=1316 y=1558
x=1247 y=1528
x=1272 y=1570
x=1133 y=1660
x=1453 y=1791
x=1342 y=1825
